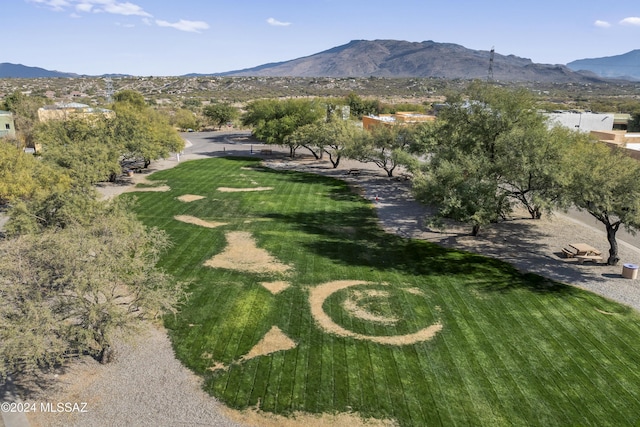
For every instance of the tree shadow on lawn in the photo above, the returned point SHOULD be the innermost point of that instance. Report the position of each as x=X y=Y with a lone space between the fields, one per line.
x=353 y=238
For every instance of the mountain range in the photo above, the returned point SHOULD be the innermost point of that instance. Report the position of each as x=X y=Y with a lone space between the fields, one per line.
x=625 y=66
x=396 y=58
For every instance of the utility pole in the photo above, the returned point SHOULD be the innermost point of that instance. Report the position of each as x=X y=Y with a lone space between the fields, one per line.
x=490 y=74
x=108 y=90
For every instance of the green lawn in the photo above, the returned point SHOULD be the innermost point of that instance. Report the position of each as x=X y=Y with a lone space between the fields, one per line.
x=513 y=349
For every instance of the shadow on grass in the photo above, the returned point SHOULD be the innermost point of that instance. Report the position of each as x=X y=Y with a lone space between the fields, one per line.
x=353 y=238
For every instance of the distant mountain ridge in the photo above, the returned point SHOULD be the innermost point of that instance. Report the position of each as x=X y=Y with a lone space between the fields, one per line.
x=8 y=70
x=626 y=66
x=395 y=58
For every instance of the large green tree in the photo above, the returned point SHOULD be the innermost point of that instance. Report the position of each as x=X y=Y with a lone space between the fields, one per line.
x=383 y=145
x=219 y=113
x=24 y=177
x=143 y=133
x=485 y=152
x=83 y=146
x=330 y=137
x=529 y=160
x=273 y=121
x=606 y=184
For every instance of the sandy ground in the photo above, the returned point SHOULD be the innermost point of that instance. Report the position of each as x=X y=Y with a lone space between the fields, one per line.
x=128 y=391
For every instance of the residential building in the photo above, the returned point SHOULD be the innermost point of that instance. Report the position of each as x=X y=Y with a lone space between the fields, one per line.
x=582 y=121
x=62 y=111
x=7 y=126
x=397 y=118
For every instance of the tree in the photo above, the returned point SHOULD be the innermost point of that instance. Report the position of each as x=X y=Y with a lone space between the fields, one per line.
x=131 y=97
x=274 y=120
x=462 y=188
x=382 y=145
x=634 y=123
x=530 y=164
x=185 y=119
x=360 y=107
x=486 y=152
x=82 y=147
x=25 y=112
x=605 y=183
x=78 y=286
x=22 y=176
x=220 y=113
x=143 y=133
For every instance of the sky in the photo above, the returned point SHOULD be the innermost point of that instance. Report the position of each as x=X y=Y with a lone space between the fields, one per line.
x=177 y=37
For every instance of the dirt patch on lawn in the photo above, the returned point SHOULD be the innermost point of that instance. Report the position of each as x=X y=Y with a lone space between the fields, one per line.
x=197 y=221
x=159 y=188
x=187 y=198
x=320 y=293
x=237 y=190
x=275 y=287
x=255 y=417
x=274 y=340
x=242 y=254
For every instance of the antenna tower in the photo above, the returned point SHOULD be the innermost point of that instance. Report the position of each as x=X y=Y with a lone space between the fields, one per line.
x=108 y=89
x=490 y=75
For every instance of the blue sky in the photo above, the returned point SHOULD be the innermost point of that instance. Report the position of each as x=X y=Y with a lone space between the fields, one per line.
x=170 y=37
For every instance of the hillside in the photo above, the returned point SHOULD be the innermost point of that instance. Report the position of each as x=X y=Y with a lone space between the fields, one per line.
x=625 y=66
x=8 y=70
x=393 y=58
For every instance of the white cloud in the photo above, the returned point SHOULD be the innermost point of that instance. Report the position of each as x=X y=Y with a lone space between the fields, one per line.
x=84 y=7
x=183 y=25
x=126 y=9
x=107 y=6
x=602 y=24
x=276 y=23
x=632 y=20
x=56 y=5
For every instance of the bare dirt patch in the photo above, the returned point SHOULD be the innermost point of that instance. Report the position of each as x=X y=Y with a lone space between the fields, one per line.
x=274 y=340
x=159 y=188
x=320 y=293
x=255 y=417
x=276 y=287
x=197 y=221
x=187 y=198
x=242 y=254
x=238 y=190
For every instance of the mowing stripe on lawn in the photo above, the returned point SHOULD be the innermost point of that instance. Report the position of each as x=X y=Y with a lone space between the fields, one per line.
x=514 y=349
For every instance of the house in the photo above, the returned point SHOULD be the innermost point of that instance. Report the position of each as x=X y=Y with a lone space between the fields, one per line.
x=630 y=142
x=397 y=118
x=583 y=121
x=7 y=126
x=63 y=111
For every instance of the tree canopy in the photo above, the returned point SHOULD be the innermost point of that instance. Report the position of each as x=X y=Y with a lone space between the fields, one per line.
x=606 y=184
x=23 y=177
x=219 y=113
x=384 y=146
x=495 y=145
x=273 y=121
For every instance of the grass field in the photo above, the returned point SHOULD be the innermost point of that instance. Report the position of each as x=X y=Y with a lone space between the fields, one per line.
x=318 y=310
